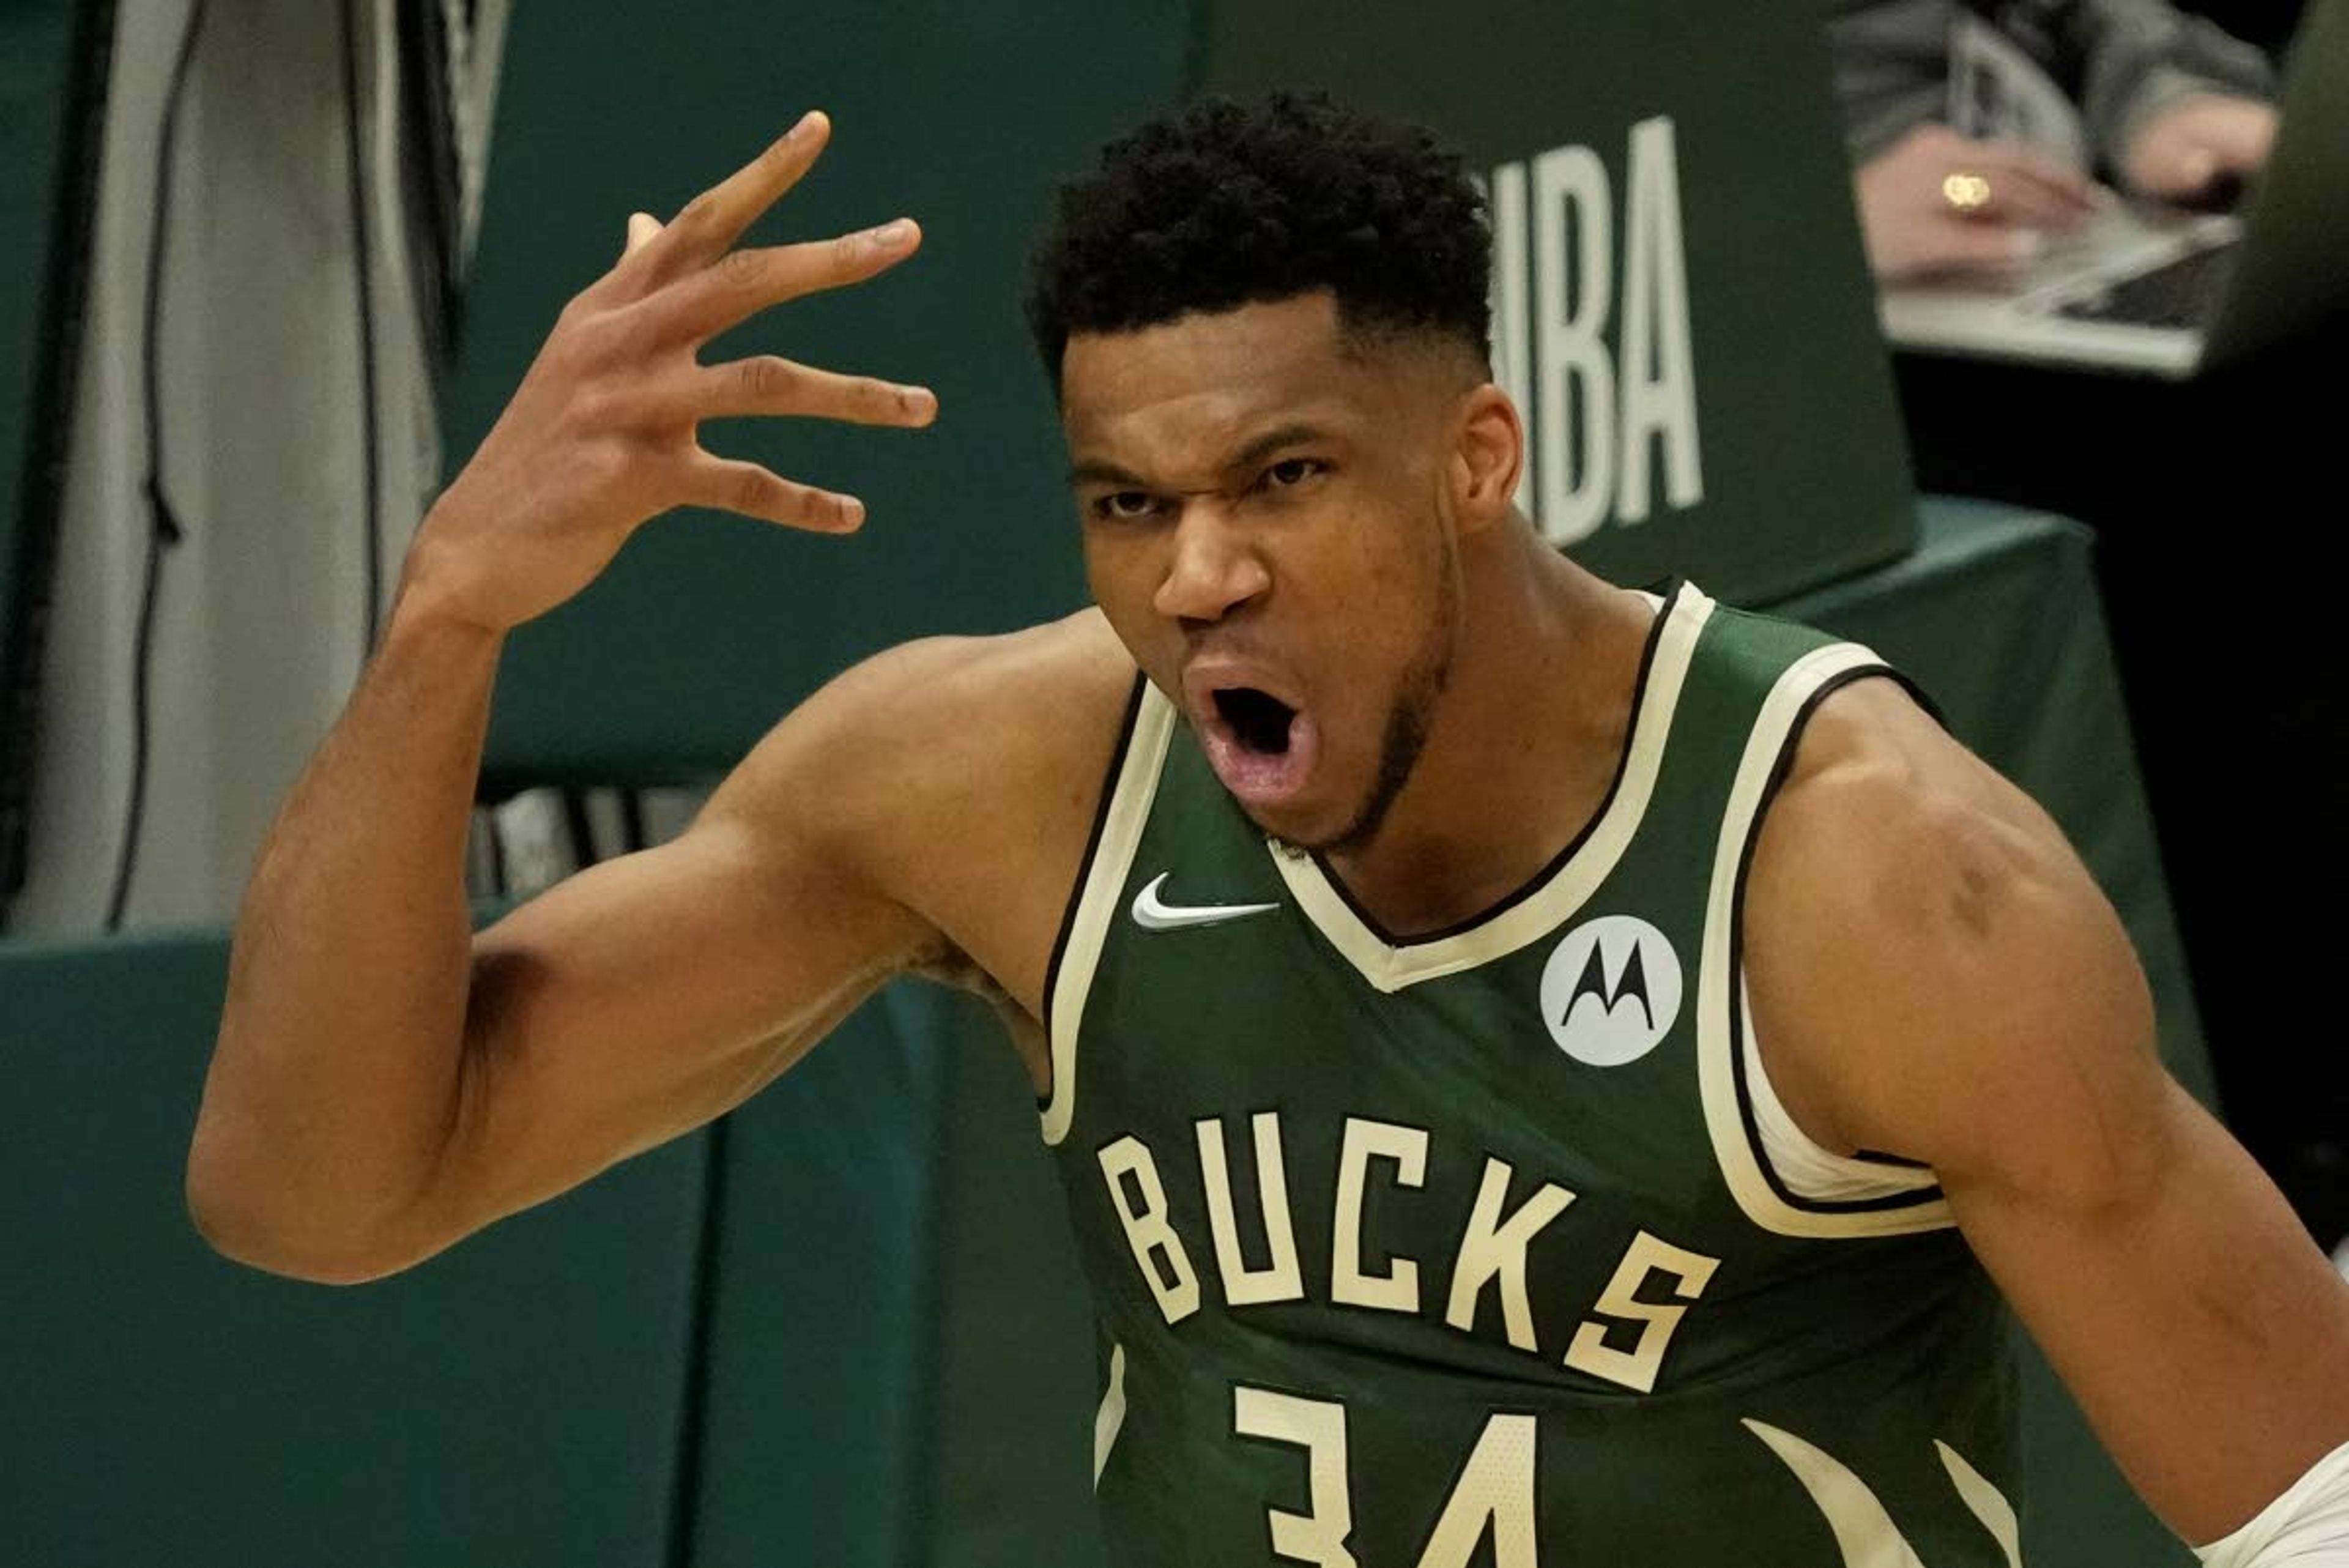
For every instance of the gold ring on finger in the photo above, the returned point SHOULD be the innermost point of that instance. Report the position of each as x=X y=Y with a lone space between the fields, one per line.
x=1966 y=192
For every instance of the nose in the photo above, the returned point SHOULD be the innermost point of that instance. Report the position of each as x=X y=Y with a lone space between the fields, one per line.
x=1214 y=567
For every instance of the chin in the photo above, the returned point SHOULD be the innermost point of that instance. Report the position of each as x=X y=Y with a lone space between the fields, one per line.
x=1296 y=827
x=1303 y=830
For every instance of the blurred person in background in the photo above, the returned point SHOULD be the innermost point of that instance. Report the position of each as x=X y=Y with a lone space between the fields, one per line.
x=1978 y=133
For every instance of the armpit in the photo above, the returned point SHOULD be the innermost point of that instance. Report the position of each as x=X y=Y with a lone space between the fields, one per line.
x=950 y=966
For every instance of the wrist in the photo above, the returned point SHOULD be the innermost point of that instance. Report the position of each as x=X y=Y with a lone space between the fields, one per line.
x=430 y=606
x=434 y=597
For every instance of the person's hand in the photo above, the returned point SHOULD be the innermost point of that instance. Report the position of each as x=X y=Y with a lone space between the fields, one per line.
x=602 y=434
x=1935 y=203
x=2199 y=147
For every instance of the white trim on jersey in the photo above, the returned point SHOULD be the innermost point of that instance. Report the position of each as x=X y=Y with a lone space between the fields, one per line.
x=1865 y=1533
x=1734 y=1147
x=2306 y=1527
x=1989 y=1504
x=1389 y=967
x=1802 y=1166
x=1110 y=1418
x=1129 y=811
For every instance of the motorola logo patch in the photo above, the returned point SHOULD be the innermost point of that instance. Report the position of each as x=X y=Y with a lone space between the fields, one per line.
x=1610 y=991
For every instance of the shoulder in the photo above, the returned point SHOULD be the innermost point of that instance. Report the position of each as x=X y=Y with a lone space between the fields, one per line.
x=955 y=777
x=948 y=724
x=1882 y=813
x=1933 y=970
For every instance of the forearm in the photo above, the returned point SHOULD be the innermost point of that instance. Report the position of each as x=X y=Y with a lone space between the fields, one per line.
x=2192 y=1264
x=336 y=1075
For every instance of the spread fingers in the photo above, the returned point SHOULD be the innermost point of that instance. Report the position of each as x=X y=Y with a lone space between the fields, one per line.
x=712 y=222
x=730 y=484
x=740 y=283
x=767 y=384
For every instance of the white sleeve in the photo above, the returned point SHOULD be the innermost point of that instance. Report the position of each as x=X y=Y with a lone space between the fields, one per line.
x=2307 y=1527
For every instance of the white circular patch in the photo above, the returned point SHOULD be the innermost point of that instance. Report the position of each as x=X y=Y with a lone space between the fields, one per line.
x=1610 y=991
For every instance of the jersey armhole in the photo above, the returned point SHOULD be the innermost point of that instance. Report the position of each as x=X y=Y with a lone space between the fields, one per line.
x=1128 y=789
x=1794 y=1159
x=1828 y=1196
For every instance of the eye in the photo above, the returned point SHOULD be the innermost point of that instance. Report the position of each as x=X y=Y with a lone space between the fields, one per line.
x=1125 y=504
x=1292 y=472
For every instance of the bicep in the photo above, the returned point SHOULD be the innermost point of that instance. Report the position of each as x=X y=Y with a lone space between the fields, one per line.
x=649 y=994
x=2204 y=1337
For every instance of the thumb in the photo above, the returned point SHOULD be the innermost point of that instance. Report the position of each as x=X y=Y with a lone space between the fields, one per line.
x=642 y=228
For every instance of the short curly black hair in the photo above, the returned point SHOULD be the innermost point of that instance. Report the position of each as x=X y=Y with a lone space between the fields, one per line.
x=1233 y=202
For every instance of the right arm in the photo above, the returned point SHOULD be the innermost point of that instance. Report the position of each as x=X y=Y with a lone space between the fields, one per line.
x=357 y=1115
x=387 y=1082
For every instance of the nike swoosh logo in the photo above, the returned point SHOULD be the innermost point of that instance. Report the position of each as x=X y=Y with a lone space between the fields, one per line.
x=1154 y=914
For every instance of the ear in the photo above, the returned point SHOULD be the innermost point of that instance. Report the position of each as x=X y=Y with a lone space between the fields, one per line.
x=1487 y=457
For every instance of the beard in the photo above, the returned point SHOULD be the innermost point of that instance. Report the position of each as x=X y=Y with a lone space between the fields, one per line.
x=1409 y=717
x=1399 y=752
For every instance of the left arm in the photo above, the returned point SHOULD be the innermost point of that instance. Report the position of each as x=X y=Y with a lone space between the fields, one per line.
x=1991 y=1020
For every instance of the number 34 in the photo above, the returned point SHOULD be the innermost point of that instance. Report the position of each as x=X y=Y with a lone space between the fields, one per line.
x=1494 y=1492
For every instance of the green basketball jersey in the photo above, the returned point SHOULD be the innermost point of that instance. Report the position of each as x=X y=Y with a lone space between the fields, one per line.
x=1494 y=1246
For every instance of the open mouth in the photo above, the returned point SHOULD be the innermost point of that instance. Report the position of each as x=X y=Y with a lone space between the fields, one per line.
x=1261 y=747
x=1259 y=721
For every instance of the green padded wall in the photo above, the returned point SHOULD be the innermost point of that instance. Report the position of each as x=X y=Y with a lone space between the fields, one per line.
x=816 y=1438
x=1697 y=156
x=1015 y=1388
x=514 y=1403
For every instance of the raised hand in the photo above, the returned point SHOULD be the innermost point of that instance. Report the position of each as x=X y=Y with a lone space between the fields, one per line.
x=602 y=434
x=1936 y=202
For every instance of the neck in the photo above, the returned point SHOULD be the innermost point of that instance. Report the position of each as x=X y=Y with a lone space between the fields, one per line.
x=1522 y=745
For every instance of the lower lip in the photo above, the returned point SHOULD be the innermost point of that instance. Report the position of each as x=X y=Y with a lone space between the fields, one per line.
x=1257 y=778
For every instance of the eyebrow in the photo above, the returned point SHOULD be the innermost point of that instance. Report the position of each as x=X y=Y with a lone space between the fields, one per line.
x=1095 y=471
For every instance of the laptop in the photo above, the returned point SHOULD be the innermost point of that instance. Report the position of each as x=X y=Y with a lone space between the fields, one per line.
x=2143 y=289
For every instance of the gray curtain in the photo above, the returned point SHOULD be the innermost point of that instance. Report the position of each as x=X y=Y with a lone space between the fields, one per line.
x=260 y=611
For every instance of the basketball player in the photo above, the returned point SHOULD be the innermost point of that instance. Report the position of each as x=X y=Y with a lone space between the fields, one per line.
x=1542 y=1073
